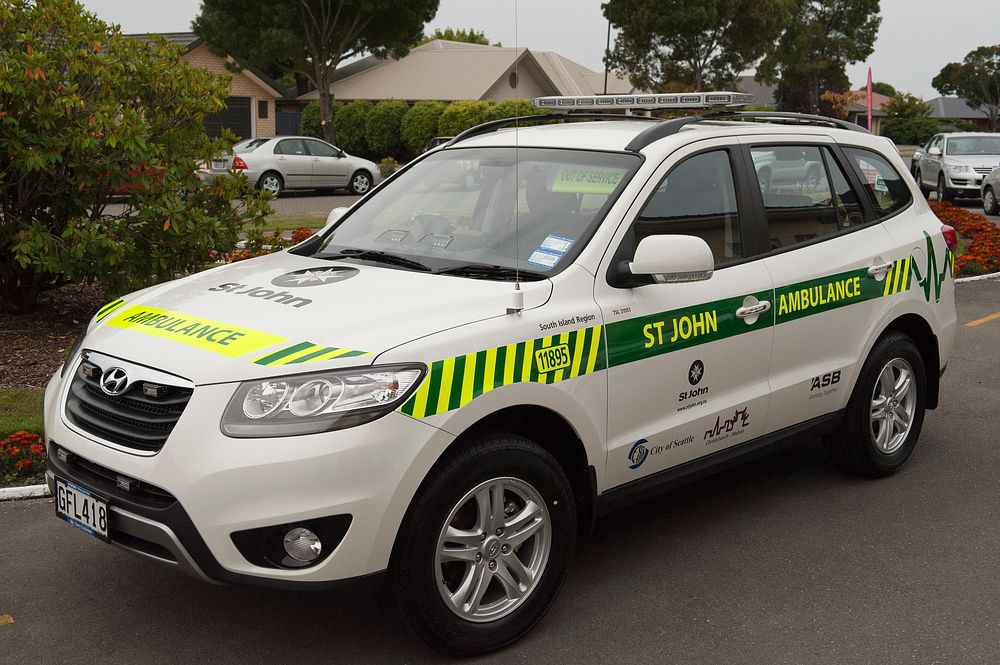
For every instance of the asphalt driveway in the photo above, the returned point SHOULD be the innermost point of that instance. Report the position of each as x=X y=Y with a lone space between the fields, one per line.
x=784 y=560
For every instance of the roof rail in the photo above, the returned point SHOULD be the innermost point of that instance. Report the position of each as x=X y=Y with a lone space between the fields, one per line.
x=494 y=125
x=671 y=127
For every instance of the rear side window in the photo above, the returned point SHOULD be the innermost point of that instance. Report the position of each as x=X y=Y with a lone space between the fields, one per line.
x=697 y=198
x=883 y=184
x=795 y=187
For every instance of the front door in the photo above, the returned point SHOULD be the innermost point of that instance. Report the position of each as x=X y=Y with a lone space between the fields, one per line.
x=329 y=167
x=687 y=363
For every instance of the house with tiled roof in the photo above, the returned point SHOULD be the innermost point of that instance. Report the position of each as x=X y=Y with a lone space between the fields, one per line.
x=956 y=108
x=250 y=108
x=448 y=71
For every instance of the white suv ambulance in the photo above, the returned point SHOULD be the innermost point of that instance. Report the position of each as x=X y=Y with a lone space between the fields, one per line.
x=518 y=332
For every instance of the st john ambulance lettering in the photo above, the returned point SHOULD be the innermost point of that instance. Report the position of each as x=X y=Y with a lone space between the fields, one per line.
x=680 y=328
x=282 y=297
x=819 y=296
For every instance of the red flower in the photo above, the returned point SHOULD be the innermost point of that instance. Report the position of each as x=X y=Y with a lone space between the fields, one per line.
x=37 y=449
x=24 y=465
x=14 y=451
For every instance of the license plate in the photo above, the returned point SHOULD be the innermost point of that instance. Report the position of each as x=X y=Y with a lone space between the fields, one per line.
x=82 y=508
x=218 y=166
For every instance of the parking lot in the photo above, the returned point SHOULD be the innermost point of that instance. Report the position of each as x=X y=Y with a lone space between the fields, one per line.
x=784 y=560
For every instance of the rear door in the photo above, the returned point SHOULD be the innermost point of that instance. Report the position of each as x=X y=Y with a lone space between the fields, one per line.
x=294 y=162
x=687 y=363
x=329 y=167
x=829 y=260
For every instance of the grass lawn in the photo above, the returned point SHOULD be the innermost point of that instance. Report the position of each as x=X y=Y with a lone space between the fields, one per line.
x=290 y=222
x=21 y=408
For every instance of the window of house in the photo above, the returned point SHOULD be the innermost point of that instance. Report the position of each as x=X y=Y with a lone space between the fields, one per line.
x=698 y=197
x=262 y=109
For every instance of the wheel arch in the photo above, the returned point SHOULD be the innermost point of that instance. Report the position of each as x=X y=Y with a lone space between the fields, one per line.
x=916 y=328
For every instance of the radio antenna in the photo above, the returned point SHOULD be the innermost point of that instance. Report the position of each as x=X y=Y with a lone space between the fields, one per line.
x=517 y=304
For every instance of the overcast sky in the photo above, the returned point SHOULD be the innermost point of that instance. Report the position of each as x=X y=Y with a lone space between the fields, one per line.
x=917 y=37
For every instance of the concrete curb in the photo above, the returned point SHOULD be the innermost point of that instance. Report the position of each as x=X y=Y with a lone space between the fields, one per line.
x=978 y=278
x=26 y=492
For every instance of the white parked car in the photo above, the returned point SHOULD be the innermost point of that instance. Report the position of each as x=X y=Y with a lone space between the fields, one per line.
x=991 y=192
x=282 y=163
x=953 y=165
x=452 y=381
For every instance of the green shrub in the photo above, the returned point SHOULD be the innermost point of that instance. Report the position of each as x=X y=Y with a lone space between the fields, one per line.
x=349 y=127
x=310 y=124
x=513 y=108
x=420 y=125
x=88 y=114
x=909 y=131
x=461 y=115
x=388 y=166
x=383 y=126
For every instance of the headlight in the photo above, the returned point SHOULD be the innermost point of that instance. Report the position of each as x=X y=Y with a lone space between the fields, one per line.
x=318 y=402
x=74 y=350
x=956 y=168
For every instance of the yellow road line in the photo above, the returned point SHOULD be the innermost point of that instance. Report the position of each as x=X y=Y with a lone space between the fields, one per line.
x=986 y=319
x=6 y=619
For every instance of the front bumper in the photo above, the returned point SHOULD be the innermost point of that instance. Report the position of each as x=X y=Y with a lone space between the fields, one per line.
x=221 y=486
x=964 y=182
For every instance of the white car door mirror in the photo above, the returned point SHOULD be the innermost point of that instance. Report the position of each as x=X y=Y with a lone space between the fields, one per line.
x=334 y=217
x=934 y=152
x=673 y=259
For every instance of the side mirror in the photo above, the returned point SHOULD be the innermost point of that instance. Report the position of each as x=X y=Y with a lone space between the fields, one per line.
x=341 y=154
x=934 y=152
x=333 y=218
x=673 y=259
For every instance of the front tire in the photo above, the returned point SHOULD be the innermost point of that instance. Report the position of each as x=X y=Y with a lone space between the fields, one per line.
x=920 y=184
x=990 y=204
x=361 y=182
x=484 y=547
x=886 y=410
x=943 y=193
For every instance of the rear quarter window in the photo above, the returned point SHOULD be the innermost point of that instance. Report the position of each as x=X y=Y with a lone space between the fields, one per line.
x=884 y=186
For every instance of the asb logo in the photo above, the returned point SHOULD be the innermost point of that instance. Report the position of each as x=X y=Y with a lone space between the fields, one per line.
x=314 y=277
x=638 y=454
x=696 y=372
x=114 y=381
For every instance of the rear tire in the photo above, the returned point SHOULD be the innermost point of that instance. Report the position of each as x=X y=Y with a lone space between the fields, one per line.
x=272 y=182
x=990 y=204
x=449 y=541
x=886 y=410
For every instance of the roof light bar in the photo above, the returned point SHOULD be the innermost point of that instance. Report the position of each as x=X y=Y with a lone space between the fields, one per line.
x=686 y=100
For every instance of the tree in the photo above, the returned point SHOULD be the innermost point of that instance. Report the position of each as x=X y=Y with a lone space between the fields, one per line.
x=977 y=80
x=99 y=114
x=884 y=89
x=311 y=38
x=420 y=124
x=469 y=36
x=820 y=40
x=383 y=125
x=907 y=121
x=681 y=45
x=841 y=102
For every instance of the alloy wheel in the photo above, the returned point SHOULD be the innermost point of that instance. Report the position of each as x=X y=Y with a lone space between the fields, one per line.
x=894 y=402
x=492 y=550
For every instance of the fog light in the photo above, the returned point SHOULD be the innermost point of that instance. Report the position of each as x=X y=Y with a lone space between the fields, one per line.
x=302 y=544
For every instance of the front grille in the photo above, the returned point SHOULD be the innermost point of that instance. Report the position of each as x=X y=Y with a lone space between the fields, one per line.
x=983 y=170
x=131 y=419
x=105 y=481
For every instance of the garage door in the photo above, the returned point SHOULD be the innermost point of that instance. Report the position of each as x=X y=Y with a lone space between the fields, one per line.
x=235 y=117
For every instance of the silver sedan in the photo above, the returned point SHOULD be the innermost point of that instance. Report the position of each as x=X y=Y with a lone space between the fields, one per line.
x=991 y=192
x=296 y=162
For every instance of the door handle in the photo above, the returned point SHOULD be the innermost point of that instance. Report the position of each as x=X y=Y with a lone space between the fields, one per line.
x=879 y=269
x=280 y=159
x=753 y=310
x=315 y=159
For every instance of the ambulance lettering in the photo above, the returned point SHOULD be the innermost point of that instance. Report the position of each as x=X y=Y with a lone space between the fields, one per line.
x=819 y=296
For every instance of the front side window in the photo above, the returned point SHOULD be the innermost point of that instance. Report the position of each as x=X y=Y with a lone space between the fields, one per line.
x=320 y=149
x=484 y=212
x=698 y=197
x=885 y=187
x=798 y=201
x=290 y=147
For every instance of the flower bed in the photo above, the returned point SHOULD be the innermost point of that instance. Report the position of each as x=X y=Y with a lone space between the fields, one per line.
x=22 y=459
x=981 y=254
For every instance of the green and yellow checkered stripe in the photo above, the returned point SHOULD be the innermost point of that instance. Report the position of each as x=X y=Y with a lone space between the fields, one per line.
x=898 y=277
x=306 y=352
x=108 y=309
x=454 y=382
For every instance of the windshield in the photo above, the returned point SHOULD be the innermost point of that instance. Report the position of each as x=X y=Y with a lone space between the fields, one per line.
x=974 y=145
x=474 y=207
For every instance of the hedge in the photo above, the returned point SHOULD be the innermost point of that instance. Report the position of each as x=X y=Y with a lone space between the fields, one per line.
x=350 y=126
x=420 y=124
x=382 y=128
x=461 y=115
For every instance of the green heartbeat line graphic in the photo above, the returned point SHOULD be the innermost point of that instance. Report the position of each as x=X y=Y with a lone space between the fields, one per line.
x=930 y=279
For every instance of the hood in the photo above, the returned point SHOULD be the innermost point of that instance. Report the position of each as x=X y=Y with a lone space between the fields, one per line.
x=285 y=314
x=975 y=161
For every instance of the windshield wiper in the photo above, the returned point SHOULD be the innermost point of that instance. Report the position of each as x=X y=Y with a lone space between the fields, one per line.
x=502 y=273
x=376 y=256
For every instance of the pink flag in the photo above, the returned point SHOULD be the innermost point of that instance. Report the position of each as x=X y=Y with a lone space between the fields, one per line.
x=869 y=99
